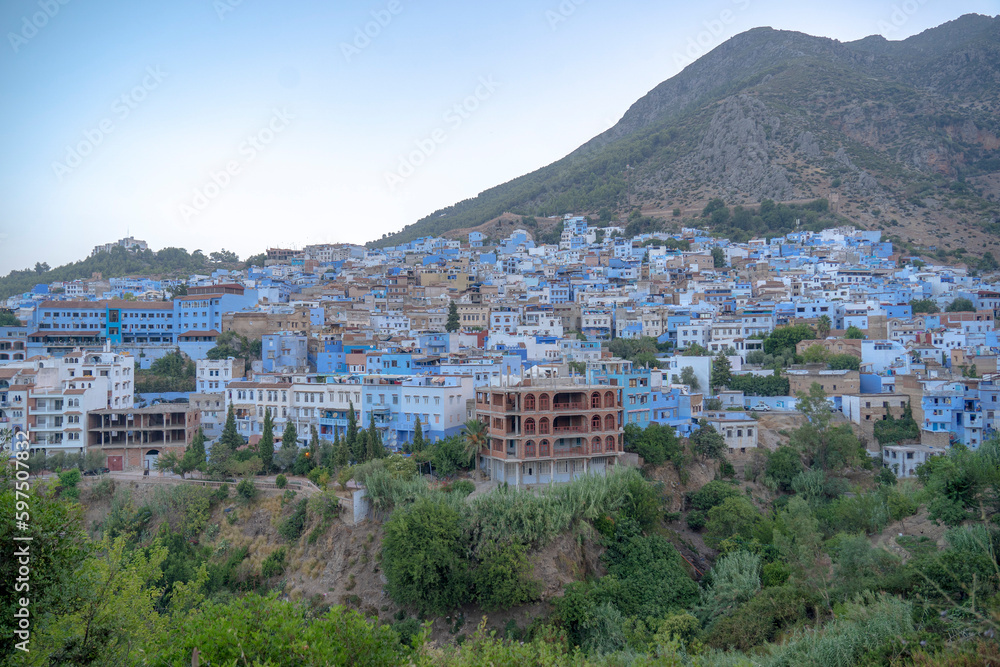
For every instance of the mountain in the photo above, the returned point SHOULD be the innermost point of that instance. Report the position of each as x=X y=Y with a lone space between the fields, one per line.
x=897 y=135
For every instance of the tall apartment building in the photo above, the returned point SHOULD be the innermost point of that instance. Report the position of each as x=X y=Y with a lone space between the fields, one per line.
x=549 y=433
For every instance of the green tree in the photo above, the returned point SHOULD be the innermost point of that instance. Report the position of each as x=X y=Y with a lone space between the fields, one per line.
x=823 y=326
x=424 y=556
x=721 y=371
x=689 y=378
x=475 y=439
x=352 y=425
x=502 y=578
x=418 y=443
x=785 y=338
x=8 y=319
x=783 y=465
x=718 y=258
x=854 y=333
x=928 y=306
x=224 y=449
x=115 y=616
x=265 y=447
x=707 y=441
x=815 y=354
x=960 y=305
x=831 y=448
x=733 y=517
x=843 y=362
x=655 y=444
x=453 y=323
x=290 y=436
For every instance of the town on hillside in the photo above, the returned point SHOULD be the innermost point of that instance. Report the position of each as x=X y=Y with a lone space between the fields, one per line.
x=559 y=351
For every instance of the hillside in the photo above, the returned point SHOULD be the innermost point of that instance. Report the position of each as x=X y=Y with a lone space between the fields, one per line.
x=896 y=135
x=164 y=263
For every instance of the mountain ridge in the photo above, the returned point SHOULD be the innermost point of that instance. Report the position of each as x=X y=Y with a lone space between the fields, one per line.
x=884 y=129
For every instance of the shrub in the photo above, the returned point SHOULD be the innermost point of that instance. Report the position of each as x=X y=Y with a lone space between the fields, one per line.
x=696 y=519
x=424 y=556
x=291 y=528
x=462 y=487
x=246 y=489
x=280 y=481
x=502 y=578
x=712 y=494
x=274 y=564
x=103 y=489
x=222 y=493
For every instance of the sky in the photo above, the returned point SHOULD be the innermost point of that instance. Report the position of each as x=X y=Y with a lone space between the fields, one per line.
x=248 y=124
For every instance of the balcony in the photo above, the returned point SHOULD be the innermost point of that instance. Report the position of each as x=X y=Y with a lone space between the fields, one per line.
x=569 y=405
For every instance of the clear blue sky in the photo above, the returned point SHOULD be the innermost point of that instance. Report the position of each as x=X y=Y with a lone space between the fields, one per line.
x=125 y=116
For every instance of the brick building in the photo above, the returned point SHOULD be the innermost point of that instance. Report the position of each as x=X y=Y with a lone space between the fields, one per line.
x=135 y=438
x=546 y=433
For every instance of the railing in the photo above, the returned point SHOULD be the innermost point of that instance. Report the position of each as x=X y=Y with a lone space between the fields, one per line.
x=569 y=429
x=572 y=405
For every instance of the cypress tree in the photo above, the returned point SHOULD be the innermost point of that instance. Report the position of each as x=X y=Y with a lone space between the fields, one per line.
x=231 y=438
x=198 y=447
x=341 y=453
x=352 y=426
x=289 y=437
x=265 y=448
x=418 y=436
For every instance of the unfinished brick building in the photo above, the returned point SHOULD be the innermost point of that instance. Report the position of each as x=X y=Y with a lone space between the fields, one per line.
x=549 y=433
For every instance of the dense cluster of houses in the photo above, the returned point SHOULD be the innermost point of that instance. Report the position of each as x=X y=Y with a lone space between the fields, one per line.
x=439 y=331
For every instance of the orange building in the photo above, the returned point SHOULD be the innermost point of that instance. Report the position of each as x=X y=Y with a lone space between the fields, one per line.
x=539 y=434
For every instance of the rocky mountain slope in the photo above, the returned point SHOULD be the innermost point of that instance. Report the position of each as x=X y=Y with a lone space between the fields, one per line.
x=902 y=136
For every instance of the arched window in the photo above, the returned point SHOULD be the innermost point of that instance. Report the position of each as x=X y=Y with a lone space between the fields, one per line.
x=595 y=445
x=609 y=399
x=529 y=448
x=529 y=425
x=595 y=401
x=543 y=402
x=609 y=444
x=543 y=448
x=543 y=425
x=595 y=423
x=609 y=423
x=529 y=401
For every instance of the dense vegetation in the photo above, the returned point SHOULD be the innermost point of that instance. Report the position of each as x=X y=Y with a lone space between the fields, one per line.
x=167 y=263
x=797 y=579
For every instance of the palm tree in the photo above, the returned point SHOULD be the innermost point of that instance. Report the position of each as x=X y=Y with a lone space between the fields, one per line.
x=475 y=439
x=823 y=326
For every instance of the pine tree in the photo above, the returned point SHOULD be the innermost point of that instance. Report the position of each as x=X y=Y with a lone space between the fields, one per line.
x=265 y=448
x=452 y=324
x=313 y=442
